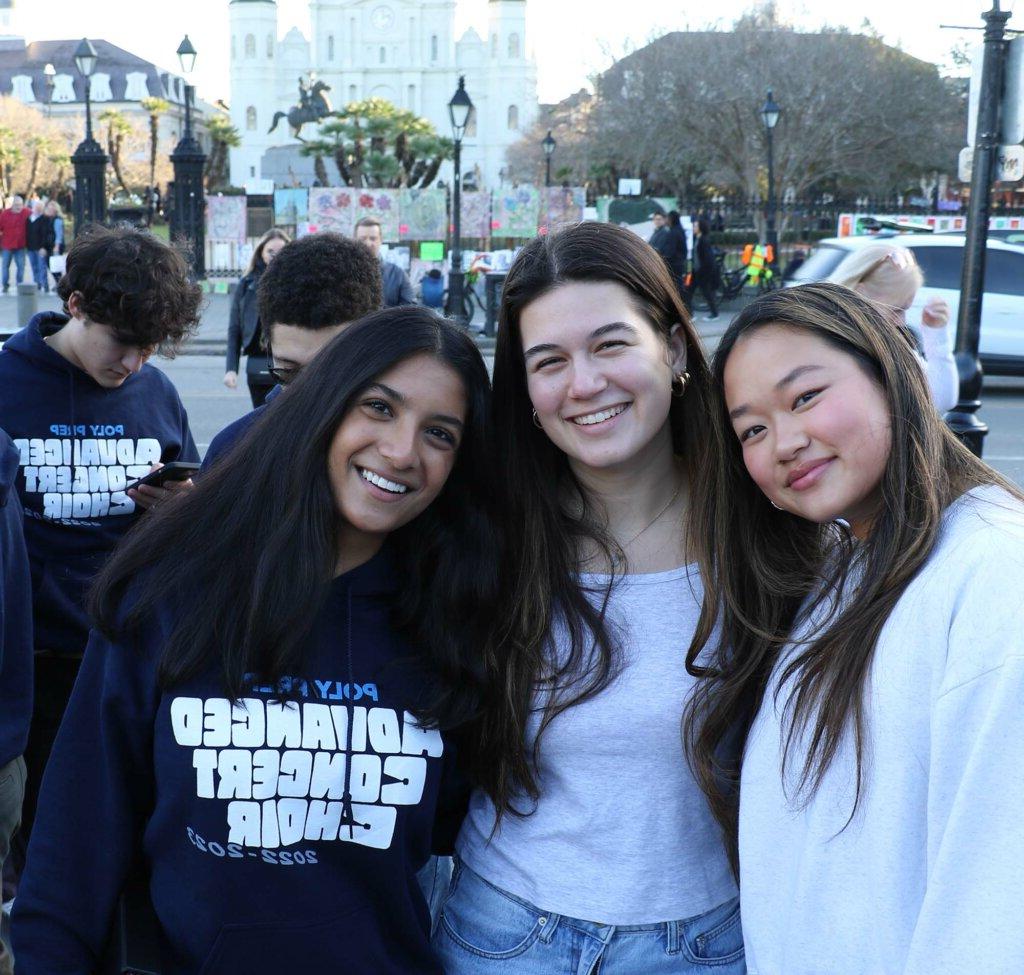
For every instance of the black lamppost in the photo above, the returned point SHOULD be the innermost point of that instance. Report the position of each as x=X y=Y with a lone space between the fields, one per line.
x=460 y=108
x=548 y=144
x=49 y=80
x=188 y=160
x=963 y=419
x=89 y=160
x=770 y=116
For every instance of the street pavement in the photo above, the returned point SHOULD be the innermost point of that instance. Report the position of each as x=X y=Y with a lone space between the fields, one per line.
x=199 y=373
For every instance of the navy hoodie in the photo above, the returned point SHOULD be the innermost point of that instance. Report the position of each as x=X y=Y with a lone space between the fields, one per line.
x=15 y=614
x=79 y=444
x=236 y=430
x=258 y=863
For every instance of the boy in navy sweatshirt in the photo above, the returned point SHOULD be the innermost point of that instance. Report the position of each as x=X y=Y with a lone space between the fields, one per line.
x=313 y=289
x=15 y=660
x=87 y=416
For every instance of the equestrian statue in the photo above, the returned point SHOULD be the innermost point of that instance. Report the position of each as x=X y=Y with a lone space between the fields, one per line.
x=313 y=106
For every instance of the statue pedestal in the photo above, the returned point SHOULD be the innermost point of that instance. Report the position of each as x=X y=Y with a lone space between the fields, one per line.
x=286 y=166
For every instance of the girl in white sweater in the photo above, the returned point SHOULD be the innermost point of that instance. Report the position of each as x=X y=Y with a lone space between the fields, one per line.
x=860 y=724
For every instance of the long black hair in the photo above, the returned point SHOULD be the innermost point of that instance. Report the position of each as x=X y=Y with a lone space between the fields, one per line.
x=253 y=547
x=552 y=517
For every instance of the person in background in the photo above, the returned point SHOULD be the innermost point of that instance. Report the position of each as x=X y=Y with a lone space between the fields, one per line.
x=705 y=272
x=659 y=238
x=860 y=652
x=277 y=731
x=39 y=240
x=13 y=222
x=676 y=257
x=15 y=665
x=53 y=211
x=313 y=289
x=397 y=287
x=244 y=332
x=890 y=275
x=88 y=415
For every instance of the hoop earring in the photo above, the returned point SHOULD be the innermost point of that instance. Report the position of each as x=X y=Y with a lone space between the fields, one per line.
x=536 y=421
x=679 y=382
x=775 y=506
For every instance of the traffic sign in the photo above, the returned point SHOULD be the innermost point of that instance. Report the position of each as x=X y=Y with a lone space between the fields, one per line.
x=1010 y=165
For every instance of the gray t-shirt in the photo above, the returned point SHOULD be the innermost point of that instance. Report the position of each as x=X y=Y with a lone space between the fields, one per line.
x=622 y=833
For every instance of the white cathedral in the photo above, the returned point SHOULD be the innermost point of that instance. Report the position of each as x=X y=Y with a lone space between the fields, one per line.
x=401 y=50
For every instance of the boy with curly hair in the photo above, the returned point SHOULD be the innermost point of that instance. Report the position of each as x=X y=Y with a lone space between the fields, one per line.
x=87 y=416
x=313 y=289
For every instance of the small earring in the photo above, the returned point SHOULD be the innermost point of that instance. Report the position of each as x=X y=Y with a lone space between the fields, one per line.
x=679 y=382
x=775 y=506
x=536 y=421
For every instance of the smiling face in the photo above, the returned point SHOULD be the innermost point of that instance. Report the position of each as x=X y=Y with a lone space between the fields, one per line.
x=392 y=453
x=600 y=376
x=813 y=426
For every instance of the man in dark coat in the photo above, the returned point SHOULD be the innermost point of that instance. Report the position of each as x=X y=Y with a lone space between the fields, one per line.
x=397 y=287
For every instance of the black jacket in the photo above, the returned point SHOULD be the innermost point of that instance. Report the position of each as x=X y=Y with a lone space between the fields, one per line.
x=244 y=321
x=39 y=234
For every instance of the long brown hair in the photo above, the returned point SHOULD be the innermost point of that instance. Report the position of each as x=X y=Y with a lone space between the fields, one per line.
x=762 y=567
x=256 y=262
x=551 y=518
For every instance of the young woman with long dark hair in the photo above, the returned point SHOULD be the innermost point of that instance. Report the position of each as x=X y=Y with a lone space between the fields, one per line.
x=265 y=707
x=859 y=722
x=589 y=842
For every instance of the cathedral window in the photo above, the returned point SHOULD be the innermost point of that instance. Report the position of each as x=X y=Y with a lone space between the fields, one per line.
x=411 y=98
x=270 y=45
x=383 y=55
x=250 y=45
x=353 y=93
x=494 y=45
x=513 y=45
x=433 y=47
x=250 y=118
x=513 y=117
x=330 y=47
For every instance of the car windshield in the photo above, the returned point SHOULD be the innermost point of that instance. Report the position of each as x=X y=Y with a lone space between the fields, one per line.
x=821 y=263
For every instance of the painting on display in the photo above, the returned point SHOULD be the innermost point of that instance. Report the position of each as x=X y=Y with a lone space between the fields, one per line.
x=381 y=204
x=476 y=215
x=226 y=218
x=291 y=206
x=516 y=212
x=331 y=208
x=423 y=214
x=564 y=206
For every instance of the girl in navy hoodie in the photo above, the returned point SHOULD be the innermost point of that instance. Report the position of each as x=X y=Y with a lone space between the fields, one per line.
x=266 y=708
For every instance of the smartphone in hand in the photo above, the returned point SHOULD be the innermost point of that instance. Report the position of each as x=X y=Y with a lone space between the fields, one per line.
x=178 y=470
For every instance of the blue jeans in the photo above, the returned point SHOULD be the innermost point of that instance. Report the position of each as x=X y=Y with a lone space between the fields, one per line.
x=40 y=269
x=12 y=792
x=19 y=266
x=487 y=931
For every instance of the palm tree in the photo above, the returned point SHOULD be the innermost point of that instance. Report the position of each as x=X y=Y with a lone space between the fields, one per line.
x=155 y=107
x=118 y=127
x=223 y=136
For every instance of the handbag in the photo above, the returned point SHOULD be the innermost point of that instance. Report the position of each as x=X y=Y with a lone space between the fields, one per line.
x=58 y=263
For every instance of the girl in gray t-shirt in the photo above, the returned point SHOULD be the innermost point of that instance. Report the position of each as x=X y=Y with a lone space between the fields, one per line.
x=588 y=841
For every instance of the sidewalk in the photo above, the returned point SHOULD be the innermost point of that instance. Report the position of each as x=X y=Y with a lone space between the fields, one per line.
x=210 y=339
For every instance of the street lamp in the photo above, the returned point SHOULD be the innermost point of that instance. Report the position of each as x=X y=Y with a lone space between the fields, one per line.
x=189 y=160
x=548 y=144
x=49 y=80
x=460 y=108
x=770 y=116
x=89 y=160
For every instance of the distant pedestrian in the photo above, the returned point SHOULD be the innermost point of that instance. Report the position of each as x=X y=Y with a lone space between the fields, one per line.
x=397 y=286
x=659 y=240
x=705 y=272
x=244 y=332
x=13 y=222
x=39 y=240
x=677 y=250
x=53 y=211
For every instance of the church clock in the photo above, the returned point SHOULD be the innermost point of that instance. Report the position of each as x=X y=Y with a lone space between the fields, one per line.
x=382 y=18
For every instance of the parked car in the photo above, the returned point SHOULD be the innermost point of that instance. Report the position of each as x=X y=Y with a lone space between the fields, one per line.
x=941 y=259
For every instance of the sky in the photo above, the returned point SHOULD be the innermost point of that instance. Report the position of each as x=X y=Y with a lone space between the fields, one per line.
x=570 y=39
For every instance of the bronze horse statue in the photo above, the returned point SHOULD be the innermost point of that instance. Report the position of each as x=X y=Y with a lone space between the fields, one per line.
x=313 y=106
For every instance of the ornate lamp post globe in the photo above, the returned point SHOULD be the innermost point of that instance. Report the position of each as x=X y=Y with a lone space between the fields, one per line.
x=548 y=144
x=89 y=160
x=460 y=110
x=770 y=113
x=189 y=160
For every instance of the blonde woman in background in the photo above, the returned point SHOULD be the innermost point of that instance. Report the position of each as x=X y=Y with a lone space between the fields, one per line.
x=889 y=275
